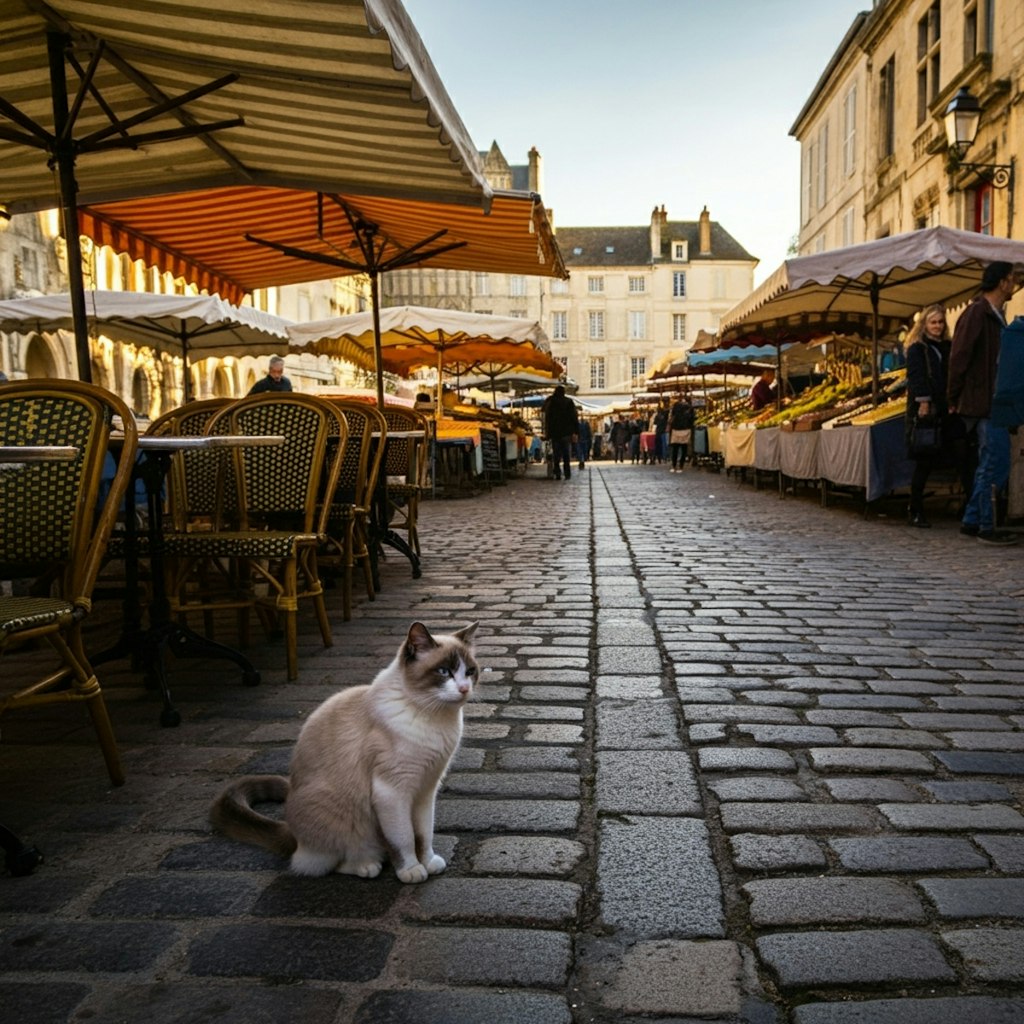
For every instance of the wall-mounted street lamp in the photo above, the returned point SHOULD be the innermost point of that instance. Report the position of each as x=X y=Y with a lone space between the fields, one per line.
x=963 y=113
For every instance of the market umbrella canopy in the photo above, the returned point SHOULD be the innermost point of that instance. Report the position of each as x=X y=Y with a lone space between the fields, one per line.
x=413 y=337
x=193 y=327
x=295 y=93
x=202 y=235
x=871 y=289
x=122 y=102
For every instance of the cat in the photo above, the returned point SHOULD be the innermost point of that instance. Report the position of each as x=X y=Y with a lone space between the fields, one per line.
x=366 y=769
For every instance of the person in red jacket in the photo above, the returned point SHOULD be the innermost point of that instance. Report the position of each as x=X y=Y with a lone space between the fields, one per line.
x=971 y=384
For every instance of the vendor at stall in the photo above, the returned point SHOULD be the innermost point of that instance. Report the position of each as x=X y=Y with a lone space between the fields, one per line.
x=763 y=392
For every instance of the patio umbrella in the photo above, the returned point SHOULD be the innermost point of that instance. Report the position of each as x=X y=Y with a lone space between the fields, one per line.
x=870 y=289
x=100 y=101
x=197 y=326
x=402 y=339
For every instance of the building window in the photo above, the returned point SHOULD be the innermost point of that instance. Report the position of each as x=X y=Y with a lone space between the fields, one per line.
x=679 y=327
x=848 y=226
x=850 y=132
x=927 y=61
x=638 y=370
x=595 y=285
x=517 y=284
x=637 y=285
x=807 y=192
x=560 y=326
x=983 y=209
x=679 y=284
x=887 y=109
x=718 y=283
x=823 y=165
x=517 y=314
x=978 y=16
x=680 y=251
x=482 y=284
x=637 y=326
x=596 y=320
x=597 y=373
x=559 y=287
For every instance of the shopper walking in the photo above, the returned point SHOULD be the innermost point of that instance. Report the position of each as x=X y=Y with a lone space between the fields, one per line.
x=561 y=423
x=973 y=359
x=680 y=423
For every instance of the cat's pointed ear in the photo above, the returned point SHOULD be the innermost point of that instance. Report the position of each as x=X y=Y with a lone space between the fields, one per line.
x=419 y=641
x=466 y=635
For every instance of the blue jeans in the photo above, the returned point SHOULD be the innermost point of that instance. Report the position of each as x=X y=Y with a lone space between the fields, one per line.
x=993 y=471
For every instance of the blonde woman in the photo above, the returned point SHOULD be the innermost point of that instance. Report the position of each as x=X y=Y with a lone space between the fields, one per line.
x=927 y=352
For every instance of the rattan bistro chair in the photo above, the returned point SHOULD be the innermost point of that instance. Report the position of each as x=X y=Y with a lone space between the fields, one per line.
x=55 y=524
x=281 y=523
x=349 y=512
x=405 y=466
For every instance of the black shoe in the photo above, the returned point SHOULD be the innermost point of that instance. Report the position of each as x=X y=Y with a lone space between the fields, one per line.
x=918 y=520
x=558 y=476
x=581 y=465
x=991 y=537
x=568 y=475
x=969 y=529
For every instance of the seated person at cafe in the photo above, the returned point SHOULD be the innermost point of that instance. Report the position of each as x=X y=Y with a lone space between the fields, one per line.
x=275 y=379
x=763 y=392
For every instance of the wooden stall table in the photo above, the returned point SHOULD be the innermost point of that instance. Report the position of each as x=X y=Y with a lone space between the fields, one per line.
x=458 y=458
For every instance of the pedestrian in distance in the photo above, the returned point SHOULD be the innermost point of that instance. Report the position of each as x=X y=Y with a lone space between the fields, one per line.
x=619 y=438
x=927 y=355
x=275 y=379
x=973 y=362
x=680 y=423
x=584 y=440
x=561 y=424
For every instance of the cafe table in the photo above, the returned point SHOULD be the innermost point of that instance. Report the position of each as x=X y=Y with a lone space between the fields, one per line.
x=147 y=645
x=20 y=859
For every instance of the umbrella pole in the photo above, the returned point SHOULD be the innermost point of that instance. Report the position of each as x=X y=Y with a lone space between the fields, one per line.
x=64 y=156
x=874 y=339
x=378 y=355
x=186 y=376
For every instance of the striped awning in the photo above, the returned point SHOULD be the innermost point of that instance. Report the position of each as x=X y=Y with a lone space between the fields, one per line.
x=202 y=236
x=334 y=96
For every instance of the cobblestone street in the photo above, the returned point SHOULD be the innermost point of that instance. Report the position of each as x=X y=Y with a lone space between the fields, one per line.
x=734 y=758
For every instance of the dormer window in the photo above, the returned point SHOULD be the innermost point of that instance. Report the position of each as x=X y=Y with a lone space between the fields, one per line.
x=680 y=253
x=609 y=249
x=577 y=250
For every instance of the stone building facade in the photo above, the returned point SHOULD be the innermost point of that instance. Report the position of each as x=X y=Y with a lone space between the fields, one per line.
x=874 y=156
x=636 y=295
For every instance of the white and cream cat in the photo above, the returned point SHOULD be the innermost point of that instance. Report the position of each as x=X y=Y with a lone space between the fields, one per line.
x=366 y=768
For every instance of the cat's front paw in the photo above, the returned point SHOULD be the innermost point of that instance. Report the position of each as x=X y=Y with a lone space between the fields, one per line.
x=363 y=869
x=436 y=864
x=414 y=873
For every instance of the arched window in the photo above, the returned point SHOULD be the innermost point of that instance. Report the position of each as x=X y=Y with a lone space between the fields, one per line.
x=39 y=360
x=140 y=392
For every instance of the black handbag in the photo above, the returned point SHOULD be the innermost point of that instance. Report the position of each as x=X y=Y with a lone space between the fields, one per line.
x=925 y=438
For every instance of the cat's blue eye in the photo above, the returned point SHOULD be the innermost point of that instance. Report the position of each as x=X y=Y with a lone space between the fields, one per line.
x=445 y=673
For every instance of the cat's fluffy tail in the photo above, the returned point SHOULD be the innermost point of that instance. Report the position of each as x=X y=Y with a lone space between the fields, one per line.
x=232 y=813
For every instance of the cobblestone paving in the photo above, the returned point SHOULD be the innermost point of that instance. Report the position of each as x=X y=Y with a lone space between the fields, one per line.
x=735 y=758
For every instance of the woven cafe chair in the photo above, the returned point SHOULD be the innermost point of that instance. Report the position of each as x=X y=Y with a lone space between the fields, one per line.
x=405 y=466
x=55 y=524
x=281 y=523
x=350 y=511
x=200 y=496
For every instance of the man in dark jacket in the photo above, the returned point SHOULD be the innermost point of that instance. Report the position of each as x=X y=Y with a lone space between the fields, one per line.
x=275 y=379
x=561 y=424
x=971 y=385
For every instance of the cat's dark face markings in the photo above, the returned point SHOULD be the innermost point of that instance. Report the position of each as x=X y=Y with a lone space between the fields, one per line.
x=445 y=668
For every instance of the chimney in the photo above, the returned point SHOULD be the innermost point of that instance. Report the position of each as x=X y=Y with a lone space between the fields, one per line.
x=536 y=182
x=657 y=219
x=705 y=232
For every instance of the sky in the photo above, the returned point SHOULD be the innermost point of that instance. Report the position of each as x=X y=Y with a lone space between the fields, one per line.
x=681 y=103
